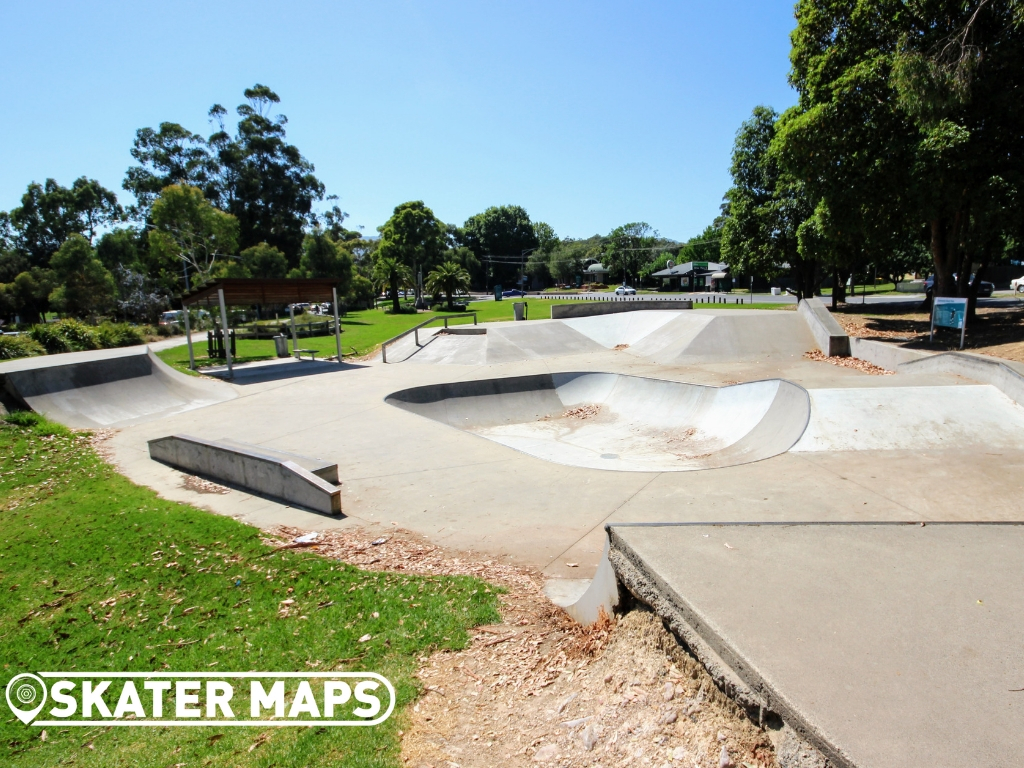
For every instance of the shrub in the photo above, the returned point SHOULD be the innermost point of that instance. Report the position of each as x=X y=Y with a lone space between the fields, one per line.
x=64 y=336
x=19 y=346
x=109 y=335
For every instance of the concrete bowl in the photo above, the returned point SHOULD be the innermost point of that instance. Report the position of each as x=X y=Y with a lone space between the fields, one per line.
x=619 y=422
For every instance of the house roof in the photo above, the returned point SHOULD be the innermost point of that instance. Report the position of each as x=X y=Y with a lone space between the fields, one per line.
x=691 y=266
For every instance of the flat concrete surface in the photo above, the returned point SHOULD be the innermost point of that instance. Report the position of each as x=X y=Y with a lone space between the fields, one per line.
x=885 y=645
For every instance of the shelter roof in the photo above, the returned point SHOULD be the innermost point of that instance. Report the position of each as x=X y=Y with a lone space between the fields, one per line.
x=256 y=290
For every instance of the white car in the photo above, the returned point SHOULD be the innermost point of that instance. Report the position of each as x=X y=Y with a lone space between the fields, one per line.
x=1017 y=285
x=625 y=290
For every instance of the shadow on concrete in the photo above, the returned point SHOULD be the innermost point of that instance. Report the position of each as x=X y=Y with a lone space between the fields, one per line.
x=277 y=370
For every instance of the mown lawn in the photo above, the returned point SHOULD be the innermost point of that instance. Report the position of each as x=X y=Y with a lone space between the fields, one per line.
x=99 y=574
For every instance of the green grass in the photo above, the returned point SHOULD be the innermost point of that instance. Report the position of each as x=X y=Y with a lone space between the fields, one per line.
x=100 y=574
x=870 y=290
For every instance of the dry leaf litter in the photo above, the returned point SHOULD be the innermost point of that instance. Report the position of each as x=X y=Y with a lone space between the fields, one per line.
x=539 y=689
x=848 y=362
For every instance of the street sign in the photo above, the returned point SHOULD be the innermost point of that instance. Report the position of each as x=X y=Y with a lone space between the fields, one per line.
x=949 y=313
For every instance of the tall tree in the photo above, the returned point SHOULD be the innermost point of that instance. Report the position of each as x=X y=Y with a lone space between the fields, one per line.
x=413 y=236
x=500 y=238
x=630 y=249
x=391 y=275
x=85 y=286
x=322 y=257
x=266 y=183
x=49 y=213
x=766 y=207
x=189 y=235
x=170 y=155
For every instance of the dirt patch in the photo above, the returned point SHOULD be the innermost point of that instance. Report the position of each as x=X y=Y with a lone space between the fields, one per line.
x=848 y=362
x=619 y=347
x=582 y=412
x=198 y=485
x=540 y=689
x=994 y=331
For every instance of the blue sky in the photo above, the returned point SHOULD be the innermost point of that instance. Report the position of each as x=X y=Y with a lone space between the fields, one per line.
x=588 y=114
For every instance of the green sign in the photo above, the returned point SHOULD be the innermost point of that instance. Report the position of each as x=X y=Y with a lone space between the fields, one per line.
x=700 y=265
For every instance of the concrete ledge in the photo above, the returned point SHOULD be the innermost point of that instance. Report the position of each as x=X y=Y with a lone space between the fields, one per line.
x=473 y=330
x=888 y=356
x=1006 y=376
x=270 y=474
x=831 y=338
x=588 y=308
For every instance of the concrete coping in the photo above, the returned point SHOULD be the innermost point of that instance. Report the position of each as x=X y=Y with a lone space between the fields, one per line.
x=829 y=335
x=275 y=474
x=605 y=307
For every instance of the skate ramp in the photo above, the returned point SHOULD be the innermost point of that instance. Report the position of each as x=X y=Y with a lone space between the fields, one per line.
x=619 y=422
x=663 y=336
x=912 y=418
x=106 y=388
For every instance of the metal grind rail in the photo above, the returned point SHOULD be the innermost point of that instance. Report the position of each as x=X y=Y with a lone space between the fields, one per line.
x=415 y=330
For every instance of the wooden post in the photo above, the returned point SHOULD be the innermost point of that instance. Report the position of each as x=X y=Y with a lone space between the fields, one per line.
x=224 y=330
x=188 y=337
x=337 y=323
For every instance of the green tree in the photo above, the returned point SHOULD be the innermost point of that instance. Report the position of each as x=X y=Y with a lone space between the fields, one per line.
x=84 y=286
x=630 y=248
x=392 y=275
x=26 y=295
x=413 y=236
x=765 y=208
x=170 y=155
x=448 y=278
x=264 y=182
x=322 y=257
x=49 y=213
x=263 y=260
x=189 y=235
x=361 y=292
x=500 y=237
x=909 y=117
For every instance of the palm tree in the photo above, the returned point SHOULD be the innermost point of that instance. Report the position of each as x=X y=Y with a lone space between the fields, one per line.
x=391 y=274
x=448 y=278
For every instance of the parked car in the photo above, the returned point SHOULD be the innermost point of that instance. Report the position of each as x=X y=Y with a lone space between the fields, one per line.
x=1017 y=285
x=625 y=290
x=512 y=293
x=172 y=317
x=985 y=289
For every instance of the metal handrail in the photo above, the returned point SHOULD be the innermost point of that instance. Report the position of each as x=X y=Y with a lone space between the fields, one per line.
x=416 y=330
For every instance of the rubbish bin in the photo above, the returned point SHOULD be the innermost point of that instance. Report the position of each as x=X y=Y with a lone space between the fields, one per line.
x=776 y=291
x=281 y=345
x=519 y=308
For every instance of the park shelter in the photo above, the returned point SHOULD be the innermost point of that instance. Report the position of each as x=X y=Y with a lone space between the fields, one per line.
x=237 y=291
x=694 y=276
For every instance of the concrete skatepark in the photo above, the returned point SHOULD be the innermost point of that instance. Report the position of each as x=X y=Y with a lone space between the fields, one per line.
x=858 y=636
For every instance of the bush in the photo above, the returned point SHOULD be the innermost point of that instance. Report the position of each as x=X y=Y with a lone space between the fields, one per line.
x=19 y=346
x=64 y=336
x=110 y=335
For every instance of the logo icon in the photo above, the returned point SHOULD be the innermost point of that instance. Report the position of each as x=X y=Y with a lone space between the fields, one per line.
x=23 y=691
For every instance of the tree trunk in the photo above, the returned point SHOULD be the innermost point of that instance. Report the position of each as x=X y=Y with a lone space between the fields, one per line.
x=944 y=244
x=395 y=306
